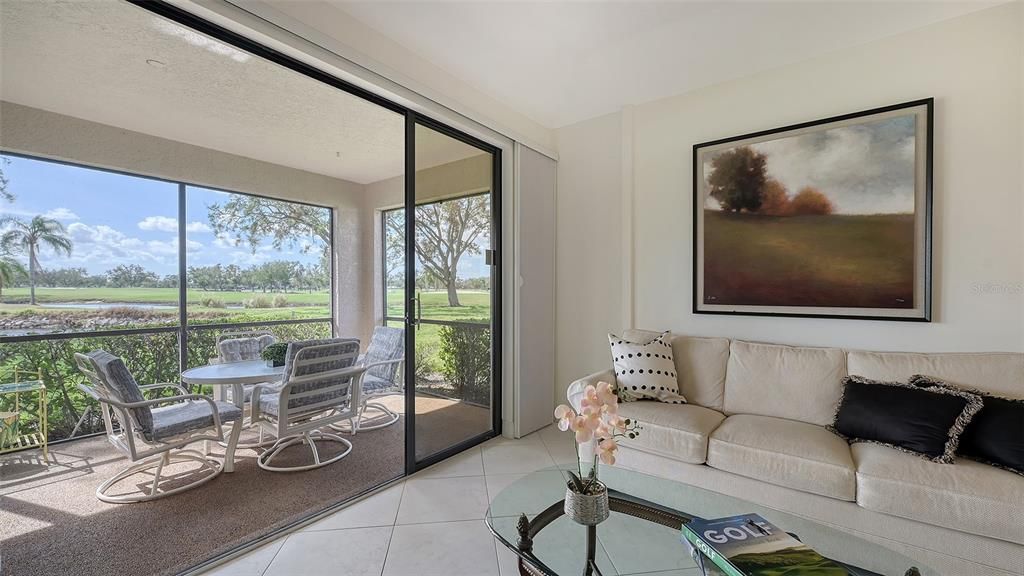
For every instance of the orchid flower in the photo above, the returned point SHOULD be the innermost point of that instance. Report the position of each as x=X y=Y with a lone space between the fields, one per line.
x=606 y=451
x=598 y=420
x=565 y=416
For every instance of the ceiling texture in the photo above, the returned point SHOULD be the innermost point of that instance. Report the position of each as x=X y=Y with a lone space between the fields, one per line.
x=562 y=62
x=110 y=62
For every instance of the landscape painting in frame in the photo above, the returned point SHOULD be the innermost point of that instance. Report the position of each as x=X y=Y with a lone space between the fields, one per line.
x=827 y=218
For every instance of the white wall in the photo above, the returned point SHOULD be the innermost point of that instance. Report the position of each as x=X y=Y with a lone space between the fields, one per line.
x=972 y=66
x=589 y=248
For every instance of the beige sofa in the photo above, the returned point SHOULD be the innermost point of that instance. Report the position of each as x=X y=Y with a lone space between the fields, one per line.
x=755 y=429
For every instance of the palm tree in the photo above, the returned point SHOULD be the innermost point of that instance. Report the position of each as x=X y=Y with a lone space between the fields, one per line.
x=30 y=237
x=10 y=270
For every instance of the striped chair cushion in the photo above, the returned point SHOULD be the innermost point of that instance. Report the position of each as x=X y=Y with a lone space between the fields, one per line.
x=188 y=417
x=387 y=343
x=341 y=353
x=242 y=349
x=122 y=386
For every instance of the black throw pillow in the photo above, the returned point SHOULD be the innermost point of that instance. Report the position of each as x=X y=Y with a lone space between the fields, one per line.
x=925 y=421
x=996 y=434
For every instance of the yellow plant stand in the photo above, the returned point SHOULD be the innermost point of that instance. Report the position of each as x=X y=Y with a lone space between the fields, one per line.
x=11 y=438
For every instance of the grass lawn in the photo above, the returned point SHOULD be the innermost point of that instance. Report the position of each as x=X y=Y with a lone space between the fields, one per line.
x=475 y=306
x=833 y=260
x=154 y=296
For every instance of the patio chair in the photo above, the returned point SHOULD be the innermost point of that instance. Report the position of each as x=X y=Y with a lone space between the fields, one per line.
x=383 y=361
x=241 y=347
x=154 y=433
x=321 y=387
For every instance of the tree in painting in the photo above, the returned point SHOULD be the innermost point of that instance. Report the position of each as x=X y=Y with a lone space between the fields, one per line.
x=738 y=179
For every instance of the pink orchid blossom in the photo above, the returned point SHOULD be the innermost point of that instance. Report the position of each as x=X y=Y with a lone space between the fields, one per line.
x=606 y=451
x=606 y=394
x=565 y=415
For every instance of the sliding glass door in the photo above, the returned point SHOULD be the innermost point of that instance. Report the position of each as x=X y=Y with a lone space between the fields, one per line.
x=451 y=291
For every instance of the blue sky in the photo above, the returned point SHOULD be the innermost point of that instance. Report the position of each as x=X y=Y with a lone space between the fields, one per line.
x=115 y=219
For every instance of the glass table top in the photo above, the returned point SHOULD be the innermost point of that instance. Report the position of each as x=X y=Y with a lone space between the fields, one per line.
x=627 y=545
x=25 y=386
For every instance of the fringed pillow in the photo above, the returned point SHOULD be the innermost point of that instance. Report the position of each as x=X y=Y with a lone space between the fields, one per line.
x=923 y=421
x=996 y=434
x=645 y=371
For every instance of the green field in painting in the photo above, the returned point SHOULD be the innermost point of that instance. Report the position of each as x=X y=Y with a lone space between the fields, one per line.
x=829 y=260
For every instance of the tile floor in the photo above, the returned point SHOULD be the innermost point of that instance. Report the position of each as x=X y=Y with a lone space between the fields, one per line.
x=431 y=523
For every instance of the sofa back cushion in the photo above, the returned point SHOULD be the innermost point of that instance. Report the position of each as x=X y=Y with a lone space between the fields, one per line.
x=795 y=383
x=998 y=373
x=700 y=366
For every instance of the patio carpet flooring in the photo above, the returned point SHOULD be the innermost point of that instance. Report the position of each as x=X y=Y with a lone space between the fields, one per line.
x=52 y=523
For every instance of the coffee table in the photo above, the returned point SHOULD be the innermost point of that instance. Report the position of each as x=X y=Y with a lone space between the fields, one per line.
x=642 y=535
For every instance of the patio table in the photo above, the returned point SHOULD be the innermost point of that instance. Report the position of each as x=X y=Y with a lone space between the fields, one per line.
x=235 y=375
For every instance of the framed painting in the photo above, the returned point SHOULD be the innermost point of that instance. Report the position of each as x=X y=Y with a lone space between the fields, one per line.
x=829 y=218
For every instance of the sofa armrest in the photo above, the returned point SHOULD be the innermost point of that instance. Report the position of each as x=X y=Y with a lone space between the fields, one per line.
x=575 y=392
x=574 y=395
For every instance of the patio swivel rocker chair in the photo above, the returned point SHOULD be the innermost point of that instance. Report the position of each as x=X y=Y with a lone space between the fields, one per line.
x=154 y=433
x=383 y=361
x=321 y=386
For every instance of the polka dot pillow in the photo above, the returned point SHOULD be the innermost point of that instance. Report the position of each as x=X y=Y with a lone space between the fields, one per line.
x=645 y=371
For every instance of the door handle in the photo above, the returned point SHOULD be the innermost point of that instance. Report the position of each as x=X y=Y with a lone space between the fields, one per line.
x=413 y=319
x=419 y=311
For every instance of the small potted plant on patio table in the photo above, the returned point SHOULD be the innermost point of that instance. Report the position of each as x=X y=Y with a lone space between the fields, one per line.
x=274 y=354
x=597 y=425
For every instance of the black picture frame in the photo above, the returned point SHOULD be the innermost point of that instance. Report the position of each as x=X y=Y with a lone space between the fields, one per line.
x=924 y=138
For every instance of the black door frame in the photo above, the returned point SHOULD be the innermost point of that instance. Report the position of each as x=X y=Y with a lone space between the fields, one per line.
x=412 y=118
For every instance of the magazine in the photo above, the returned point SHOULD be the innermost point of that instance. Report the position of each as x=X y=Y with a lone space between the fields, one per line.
x=749 y=545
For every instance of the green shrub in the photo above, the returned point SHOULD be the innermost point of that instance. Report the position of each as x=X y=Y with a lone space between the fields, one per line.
x=280 y=301
x=213 y=303
x=151 y=358
x=465 y=361
x=259 y=302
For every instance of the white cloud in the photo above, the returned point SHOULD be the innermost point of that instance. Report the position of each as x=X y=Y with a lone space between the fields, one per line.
x=56 y=213
x=170 y=247
x=168 y=224
x=159 y=223
x=224 y=241
x=61 y=214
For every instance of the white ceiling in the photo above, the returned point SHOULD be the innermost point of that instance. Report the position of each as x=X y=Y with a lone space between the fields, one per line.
x=562 y=62
x=89 y=60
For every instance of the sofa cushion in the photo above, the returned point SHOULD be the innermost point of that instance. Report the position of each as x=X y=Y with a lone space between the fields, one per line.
x=788 y=453
x=998 y=373
x=967 y=496
x=789 y=382
x=700 y=369
x=700 y=365
x=678 y=431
